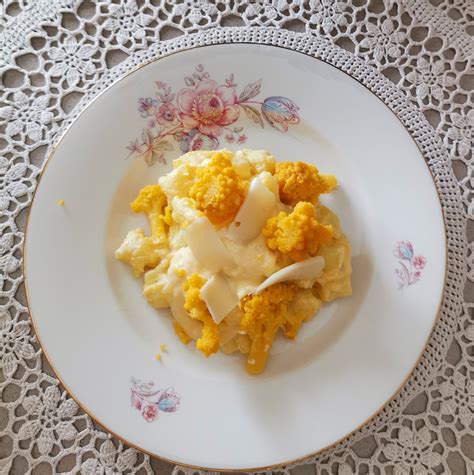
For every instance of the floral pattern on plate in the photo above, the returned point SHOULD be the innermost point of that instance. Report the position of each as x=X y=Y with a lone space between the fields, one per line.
x=150 y=401
x=199 y=115
x=410 y=265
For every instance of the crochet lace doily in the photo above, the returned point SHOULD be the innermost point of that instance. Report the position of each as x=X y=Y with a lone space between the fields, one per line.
x=56 y=55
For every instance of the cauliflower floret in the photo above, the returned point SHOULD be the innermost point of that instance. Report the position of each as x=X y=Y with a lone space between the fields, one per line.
x=162 y=283
x=182 y=335
x=260 y=160
x=298 y=234
x=242 y=167
x=264 y=314
x=270 y=182
x=139 y=252
x=143 y=252
x=157 y=288
x=151 y=200
x=218 y=191
x=183 y=263
x=196 y=158
x=299 y=181
x=167 y=215
x=183 y=212
x=179 y=181
x=301 y=309
x=208 y=343
x=283 y=306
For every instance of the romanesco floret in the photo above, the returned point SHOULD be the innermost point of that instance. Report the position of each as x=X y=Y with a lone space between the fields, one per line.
x=218 y=191
x=197 y=309
x=299 y=181
x=151 y=200
x=297 y=234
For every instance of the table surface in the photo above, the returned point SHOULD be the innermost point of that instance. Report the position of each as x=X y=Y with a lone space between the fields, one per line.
x=365 y=448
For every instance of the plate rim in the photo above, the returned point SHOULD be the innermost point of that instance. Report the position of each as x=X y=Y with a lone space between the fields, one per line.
x=203 y=40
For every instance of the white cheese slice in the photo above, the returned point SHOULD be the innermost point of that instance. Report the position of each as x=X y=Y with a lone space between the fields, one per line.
x=207 y=246
x=309 y=269
x=219 y=297
x=258 y=206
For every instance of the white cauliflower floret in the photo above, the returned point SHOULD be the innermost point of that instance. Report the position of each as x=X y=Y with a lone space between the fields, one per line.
x=242 y=167
x=183 y=211
x=180 y=180
x=260 y=160
x=165 y=282
x=197 y=158
x=183 y=263
x=157 y=288
x=270 y=182
x=139 y=251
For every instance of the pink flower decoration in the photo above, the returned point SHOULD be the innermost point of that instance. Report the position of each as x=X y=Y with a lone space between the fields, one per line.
x=208 y=107
x=417 y=274
x=150 y=413
x=419 y=262
x=242 y=139
x=137 y=404
x=229 y=138
x=160 y=84
x=167 y=114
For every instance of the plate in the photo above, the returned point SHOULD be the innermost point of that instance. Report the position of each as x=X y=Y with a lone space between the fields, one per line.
x=101 y=336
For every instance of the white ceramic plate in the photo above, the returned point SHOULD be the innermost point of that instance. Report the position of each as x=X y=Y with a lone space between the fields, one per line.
x=98 y=331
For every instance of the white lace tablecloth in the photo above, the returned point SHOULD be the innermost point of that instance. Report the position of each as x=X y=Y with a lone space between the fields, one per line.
x=55 y=55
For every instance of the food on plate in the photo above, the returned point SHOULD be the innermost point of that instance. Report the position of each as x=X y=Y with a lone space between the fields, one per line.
x=239 y=247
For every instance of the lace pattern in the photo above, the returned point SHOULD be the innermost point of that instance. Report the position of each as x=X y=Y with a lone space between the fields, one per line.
x=416 y=55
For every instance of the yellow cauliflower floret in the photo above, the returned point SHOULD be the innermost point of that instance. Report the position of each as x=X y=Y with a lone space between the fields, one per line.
x=264 y=314
x=282 y=306
x=151 y=200
x=167 y=216
x=182 y=335
x=218 y=191
x=297 y=234
x=299 y=181
x=208 y=343
x=139 y=252
x=301 y=309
